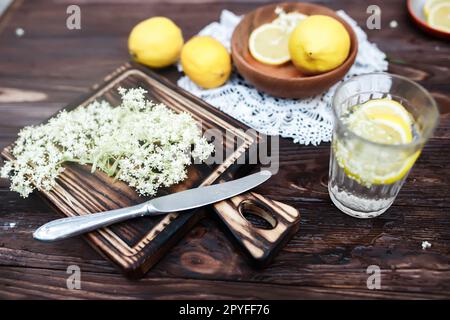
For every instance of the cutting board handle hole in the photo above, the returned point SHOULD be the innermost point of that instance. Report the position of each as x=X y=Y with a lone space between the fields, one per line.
x=258 y=214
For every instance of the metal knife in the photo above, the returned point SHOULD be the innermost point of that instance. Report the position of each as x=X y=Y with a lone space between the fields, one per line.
x=180 y=201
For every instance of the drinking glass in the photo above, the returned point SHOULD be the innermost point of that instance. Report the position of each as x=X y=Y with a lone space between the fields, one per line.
x=365 y=176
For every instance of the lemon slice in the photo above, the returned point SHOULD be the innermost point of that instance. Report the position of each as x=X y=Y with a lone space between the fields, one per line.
x=382 y=121
x=269 y=44
x=380 y=107
x=439 y=16
x=387 y=174
x=429 y=4
x=385 y=129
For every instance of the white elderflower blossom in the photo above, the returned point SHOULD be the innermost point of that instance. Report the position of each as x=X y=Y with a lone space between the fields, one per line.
x=141 y=143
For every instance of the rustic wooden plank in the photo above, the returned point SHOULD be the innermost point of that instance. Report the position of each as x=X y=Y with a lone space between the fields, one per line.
x=334 y=255
x=54 y=29
x=35 y=283
x=63 y=65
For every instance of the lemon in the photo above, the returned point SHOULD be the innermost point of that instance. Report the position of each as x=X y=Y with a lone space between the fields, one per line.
x=386 y=106
x=319 y=44
x=206 y=62
x=155 y=42
x=382 y=121
x=369 y=174
x=269 y=44
x=439 y=16
x=386 y=129
x=429 y=4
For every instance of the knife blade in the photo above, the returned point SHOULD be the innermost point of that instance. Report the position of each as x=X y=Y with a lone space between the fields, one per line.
x=180 y=201
x=202 y=196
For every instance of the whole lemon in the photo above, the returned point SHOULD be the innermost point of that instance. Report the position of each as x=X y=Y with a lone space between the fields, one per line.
x=206 y=62
x=319 y=44
x=155 y=42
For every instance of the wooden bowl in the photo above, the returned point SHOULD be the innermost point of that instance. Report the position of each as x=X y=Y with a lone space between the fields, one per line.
x=415 y=9
x=286 y=80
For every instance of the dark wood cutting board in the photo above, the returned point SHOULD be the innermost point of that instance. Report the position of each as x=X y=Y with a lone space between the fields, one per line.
x=136 y=245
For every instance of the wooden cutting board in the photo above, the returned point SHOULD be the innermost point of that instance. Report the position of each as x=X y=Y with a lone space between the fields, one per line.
x=136 y=245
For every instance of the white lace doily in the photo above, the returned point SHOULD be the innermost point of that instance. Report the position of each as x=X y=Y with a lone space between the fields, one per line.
x=307 y=121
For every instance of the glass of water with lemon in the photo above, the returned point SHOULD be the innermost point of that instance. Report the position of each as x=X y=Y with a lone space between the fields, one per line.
x=382 y=122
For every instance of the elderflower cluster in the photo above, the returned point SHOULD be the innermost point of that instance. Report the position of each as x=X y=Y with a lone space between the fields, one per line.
x=288 y=21
x=141 y=143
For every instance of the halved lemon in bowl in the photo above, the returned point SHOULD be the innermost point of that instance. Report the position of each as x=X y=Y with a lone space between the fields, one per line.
x=439 y=16
x=269 y=44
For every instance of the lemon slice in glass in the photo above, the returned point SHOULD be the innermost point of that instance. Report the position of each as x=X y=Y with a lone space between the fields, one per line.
x=385 y=129
x=269 y=44
x=381 y=121
x=439 y=16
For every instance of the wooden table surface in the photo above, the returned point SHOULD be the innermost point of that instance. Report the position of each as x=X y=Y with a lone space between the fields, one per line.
x=50 y=66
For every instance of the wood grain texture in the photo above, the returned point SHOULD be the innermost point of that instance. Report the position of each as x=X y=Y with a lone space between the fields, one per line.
x=328 y=256
x=260 y=243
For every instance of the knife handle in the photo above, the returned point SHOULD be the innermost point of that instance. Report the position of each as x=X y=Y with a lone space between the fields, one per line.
x=259 y=244
x=68 y=227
